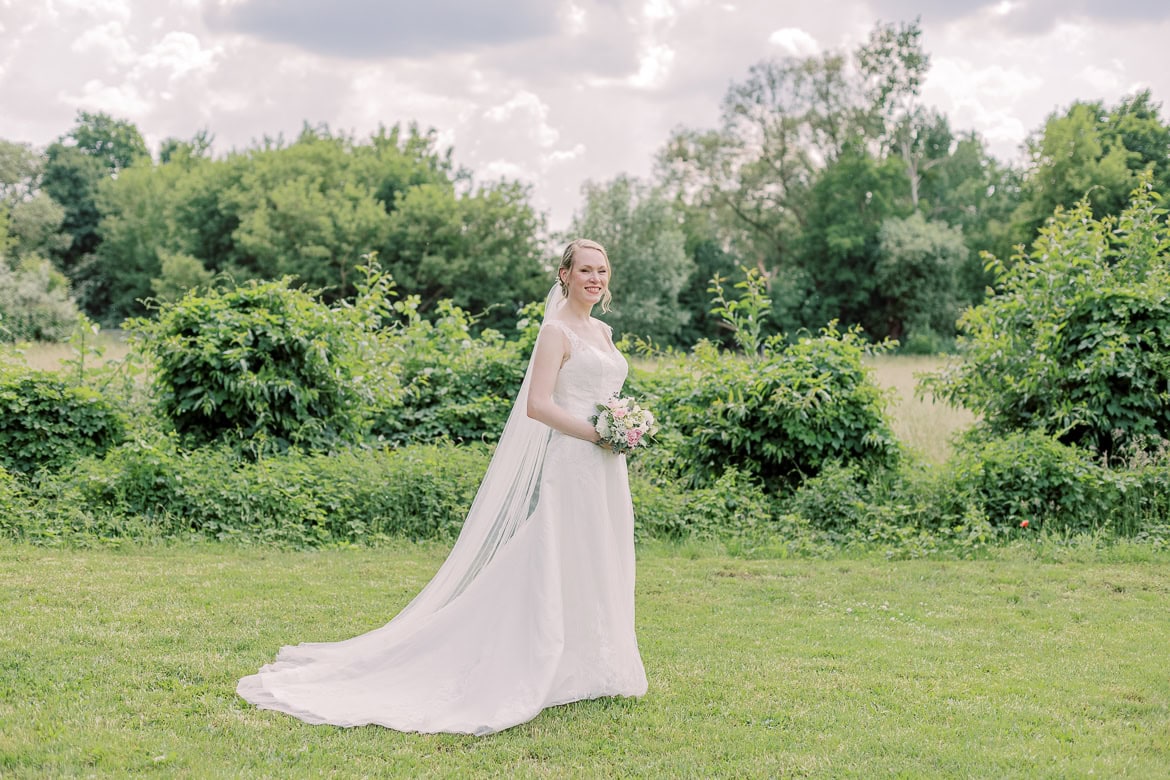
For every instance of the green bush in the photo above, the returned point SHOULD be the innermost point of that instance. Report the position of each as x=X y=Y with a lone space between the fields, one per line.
x=780 y=417
x=13 y=504
x=908 y=512
x=455 y=385
x=155 y=489
x=731 y=507
x=1033 y=478
x=291 y=499
x=1076 y=343
x=46 y=424
x=778 y=413
x=836 y=501
x=263 y=360
x=1141 y=473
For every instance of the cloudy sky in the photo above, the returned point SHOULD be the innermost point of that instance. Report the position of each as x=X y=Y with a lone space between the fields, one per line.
x=554 y=92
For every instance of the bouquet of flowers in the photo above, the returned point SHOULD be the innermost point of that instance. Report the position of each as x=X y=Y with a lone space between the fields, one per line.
x=623 y=425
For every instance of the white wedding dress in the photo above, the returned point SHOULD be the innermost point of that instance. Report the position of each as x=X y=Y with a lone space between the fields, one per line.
x=547 y=619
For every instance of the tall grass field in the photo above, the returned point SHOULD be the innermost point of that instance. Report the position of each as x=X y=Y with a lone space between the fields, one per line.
x=51 y=356
x=922 y=422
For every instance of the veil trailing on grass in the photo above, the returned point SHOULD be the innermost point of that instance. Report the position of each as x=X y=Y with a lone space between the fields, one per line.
x=506 y=497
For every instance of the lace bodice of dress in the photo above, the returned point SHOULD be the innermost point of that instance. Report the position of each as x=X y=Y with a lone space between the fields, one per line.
x=589 y=376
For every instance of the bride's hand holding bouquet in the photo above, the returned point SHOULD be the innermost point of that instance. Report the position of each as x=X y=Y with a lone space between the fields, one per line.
x=623 y=425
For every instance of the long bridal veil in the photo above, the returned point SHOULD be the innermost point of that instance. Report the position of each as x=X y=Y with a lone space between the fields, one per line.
x=505 y=499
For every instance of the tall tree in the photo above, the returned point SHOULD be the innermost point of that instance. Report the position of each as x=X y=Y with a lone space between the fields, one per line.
x=839 y=248
x=1137 y=125
x=97 y=148
x=115 y=143
x=31 y=221
x=20 y=170
x=137 y=226
x=1092 y=152
x=779 y=127
x=917 y=276
x=479 y=249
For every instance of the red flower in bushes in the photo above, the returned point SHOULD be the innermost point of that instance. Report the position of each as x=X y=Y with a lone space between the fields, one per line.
x=1023 y=524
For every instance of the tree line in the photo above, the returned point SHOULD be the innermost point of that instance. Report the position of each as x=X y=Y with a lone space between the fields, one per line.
x=827 y=174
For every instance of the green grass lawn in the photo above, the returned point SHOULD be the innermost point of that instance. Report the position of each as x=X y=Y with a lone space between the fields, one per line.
x=119 y=662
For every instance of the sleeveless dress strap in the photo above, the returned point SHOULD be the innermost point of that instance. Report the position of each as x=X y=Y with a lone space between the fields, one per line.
x=574 y=339
x=608 y=331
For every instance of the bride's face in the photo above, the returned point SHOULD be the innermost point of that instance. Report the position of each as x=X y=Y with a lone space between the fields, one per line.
x=588 y=279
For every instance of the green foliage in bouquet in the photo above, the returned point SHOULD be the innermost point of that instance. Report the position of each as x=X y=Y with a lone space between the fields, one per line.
x=1075 y=342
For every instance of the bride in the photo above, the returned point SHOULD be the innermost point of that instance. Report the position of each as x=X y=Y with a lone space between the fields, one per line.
x=534 y=606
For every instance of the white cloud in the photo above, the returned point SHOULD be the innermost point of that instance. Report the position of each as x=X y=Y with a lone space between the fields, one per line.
x=965 y=81
x=658 y=9
x=1104 y=79
x=108 y=40
x=983 y=98
x=503 y=169
x=574 y=19
x=102 y=9
x=564 y=155
x=653 y=67
x=230 y=101
x=179 y=53
x=794 y=42
x=123 y=100
x=532 y=120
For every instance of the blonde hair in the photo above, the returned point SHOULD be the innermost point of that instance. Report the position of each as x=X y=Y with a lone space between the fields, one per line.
x=567 y=265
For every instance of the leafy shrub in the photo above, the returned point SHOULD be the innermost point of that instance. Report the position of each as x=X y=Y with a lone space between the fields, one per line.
x=1141 y=472
x=925 y=341
x=46 y=424
x=780 y=412
x=155 y=489
x=907 y=512
x=733 y=506
x=455 y=385
x=119 y=380
x=1077 y=342
x=1034 y=478
x=836 y=501
x=34 y=302
x=779 y=417
x=13 y=504
x=263 y=360
x=292 y=499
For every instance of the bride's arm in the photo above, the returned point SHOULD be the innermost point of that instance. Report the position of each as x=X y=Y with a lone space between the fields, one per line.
x=549 y=353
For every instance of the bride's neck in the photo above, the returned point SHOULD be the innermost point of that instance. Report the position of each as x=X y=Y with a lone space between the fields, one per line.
x=577 y=311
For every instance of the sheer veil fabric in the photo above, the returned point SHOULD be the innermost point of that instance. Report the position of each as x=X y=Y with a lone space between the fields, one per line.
x=532 y=608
